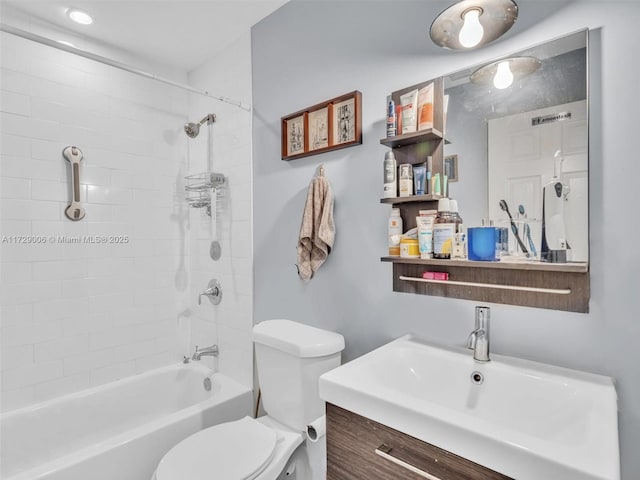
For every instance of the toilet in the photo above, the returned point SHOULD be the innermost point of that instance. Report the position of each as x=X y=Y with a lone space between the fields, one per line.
x=290 y=358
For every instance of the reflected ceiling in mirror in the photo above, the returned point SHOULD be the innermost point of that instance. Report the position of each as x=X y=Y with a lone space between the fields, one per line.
x=513 y=141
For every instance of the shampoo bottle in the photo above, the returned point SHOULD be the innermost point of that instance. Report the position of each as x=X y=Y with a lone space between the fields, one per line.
x=390 y=184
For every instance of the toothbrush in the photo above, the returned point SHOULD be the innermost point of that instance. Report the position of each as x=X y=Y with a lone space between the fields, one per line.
x=514 y=227
x=527 y=232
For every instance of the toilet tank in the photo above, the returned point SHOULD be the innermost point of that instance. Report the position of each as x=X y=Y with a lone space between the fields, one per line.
x=291 y=357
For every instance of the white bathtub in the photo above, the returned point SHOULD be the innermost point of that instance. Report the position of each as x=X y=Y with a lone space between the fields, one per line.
x=118 y=431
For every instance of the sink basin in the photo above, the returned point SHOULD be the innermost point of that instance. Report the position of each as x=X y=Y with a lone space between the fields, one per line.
x=524 y=419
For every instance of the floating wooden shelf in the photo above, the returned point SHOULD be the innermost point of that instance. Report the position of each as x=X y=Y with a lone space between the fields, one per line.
x=411 y=199
x=529 y=284
x=575 y=267
x=421 y=136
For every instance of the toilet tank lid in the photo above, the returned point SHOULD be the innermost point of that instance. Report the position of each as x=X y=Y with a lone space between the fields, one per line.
x=297 y=339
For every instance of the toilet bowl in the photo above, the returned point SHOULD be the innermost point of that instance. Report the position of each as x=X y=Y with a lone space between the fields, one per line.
x=290 y=357
x=247 y=449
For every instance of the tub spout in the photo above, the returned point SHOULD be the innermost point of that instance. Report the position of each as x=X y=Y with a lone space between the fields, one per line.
x=211 y=351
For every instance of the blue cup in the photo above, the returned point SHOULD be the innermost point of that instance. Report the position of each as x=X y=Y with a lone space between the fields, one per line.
x=482 y=243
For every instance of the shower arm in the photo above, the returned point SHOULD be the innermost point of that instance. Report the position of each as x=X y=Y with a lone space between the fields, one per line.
x=211 y=118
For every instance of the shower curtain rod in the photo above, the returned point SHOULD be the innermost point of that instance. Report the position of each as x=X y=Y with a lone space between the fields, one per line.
x=122 y=66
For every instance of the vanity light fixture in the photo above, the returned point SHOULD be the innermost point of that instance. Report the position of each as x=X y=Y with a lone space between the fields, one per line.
x=79 y=16
x=502 y=73
x=472 y=23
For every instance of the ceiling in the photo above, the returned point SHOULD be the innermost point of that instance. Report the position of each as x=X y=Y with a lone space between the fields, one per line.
x=177 y=33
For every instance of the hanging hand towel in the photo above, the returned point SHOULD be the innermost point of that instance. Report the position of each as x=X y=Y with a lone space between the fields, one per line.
x=317 y=231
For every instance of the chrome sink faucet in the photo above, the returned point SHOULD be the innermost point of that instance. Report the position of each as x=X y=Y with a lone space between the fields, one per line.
x=211 y=351
x=478 y=340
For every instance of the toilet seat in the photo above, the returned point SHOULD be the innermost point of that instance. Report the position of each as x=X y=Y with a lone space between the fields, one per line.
x=238 y=450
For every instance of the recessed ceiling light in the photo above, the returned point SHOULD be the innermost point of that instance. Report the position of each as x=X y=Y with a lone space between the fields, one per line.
x=79 y=16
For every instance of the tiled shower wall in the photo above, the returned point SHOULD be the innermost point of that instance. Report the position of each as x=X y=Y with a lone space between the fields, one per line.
x=74 y=315
x=229 y=324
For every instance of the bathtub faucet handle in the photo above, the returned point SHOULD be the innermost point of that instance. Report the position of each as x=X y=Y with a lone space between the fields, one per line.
x=213 y=293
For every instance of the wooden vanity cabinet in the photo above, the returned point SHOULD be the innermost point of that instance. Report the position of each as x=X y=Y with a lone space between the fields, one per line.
x=360 y=449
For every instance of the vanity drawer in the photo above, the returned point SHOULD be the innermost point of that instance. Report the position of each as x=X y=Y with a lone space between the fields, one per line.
x=361 y=449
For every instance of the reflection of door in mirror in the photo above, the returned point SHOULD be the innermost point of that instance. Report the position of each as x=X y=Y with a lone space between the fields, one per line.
x=522 y=160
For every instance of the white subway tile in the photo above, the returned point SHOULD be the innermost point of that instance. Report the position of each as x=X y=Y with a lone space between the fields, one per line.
x=132 y=146
x=60 y=348
x=134 y=180
x=151 y=330
x=15 y=357
x=57 y=112
x=94 y=175
x=99 y=267
x=60 y=270
x=87 y=323
x=89 y=137
x=135 y=350
x=133 y=315
x=112 y=373
x=112 y=337
x=16 y=103
x=87 y=362
x=18 y=188
x=109 y=303
x=108 y=195
x=15 y=273
x=45 y=130
x=12 y=399
x=53 y=169
x=30 y=332
x=27 y=375
x=12 y=315
x=55 y=191
x=145 y=364
x=15 y=227
x=61 y=386
x=29 y=292
x=59 y=308
x=48 y=150
x=17 y=125
x=12 y=209
x=16 y=82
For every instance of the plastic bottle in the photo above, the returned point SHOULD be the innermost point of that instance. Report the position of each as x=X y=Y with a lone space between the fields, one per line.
x=390 y=182
x=444 y=230
x=395 y=232
x=406 y=180
x=392 y=130
x=460 y=237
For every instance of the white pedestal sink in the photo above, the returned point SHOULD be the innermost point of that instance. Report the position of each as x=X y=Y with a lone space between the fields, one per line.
x=524 y=419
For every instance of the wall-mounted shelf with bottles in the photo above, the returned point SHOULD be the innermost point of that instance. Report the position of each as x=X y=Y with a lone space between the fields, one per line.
x=533 y=284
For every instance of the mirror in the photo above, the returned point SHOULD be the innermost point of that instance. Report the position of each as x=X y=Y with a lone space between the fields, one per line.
x=526 y=143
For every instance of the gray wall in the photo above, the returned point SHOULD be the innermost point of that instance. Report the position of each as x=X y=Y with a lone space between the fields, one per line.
x=308 y=52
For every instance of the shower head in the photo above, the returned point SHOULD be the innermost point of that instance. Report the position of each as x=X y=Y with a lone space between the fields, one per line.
x=193 y=129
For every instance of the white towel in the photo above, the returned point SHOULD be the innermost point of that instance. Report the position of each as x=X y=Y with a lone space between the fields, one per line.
x=317 y=232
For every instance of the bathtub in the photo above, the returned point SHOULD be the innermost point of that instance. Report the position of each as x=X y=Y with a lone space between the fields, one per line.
x=117 y=431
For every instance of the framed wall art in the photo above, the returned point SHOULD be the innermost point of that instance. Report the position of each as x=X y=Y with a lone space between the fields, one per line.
x=327 y=126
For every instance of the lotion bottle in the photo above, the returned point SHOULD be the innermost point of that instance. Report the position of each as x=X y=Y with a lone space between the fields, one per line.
x=395 y=232
x=390 y=182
